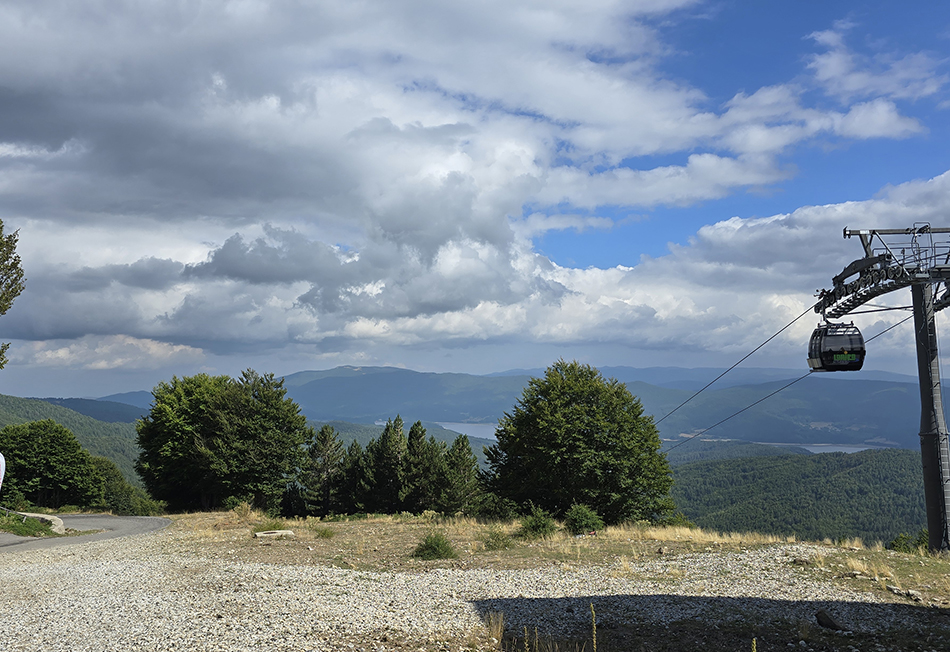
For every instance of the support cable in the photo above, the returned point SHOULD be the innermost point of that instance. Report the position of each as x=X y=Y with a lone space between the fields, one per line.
x=735 y=414
x=747 y=356
x=784 y=387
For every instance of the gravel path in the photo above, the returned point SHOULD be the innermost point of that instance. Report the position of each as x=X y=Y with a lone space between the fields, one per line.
x=137 y=593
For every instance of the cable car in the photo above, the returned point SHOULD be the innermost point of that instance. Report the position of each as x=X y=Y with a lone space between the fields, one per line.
x=836 y=347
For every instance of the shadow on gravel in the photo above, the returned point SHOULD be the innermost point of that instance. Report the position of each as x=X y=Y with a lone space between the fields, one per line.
x=675 y=622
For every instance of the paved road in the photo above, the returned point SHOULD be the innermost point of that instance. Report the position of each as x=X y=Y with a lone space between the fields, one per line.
x=111 y=526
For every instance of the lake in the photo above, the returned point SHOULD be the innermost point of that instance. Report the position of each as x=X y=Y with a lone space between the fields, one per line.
x=481 y=430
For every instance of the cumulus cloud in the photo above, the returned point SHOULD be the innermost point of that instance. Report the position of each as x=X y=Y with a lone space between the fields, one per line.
x=232 y=176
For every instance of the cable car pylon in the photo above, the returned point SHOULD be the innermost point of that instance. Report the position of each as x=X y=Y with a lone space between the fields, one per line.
x=895 y=259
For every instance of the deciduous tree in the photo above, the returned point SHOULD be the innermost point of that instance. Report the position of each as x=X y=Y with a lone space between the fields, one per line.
x=208 y=438
x=47 y=465
x=11 y=279
x=574 y=437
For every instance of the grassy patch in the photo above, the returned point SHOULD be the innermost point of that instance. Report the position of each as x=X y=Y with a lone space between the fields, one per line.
x=25 y=527
x=270 y=524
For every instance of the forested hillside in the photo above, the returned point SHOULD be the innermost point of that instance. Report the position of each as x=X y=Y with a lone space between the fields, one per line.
x=115 y=441
x=874 y=494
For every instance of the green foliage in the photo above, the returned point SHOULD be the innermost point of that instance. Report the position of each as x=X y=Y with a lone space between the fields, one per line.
x=537 y=525
x=113 y=440
x=386 y=458
x=903 y=542
x=491 y=506
x=11 y=279
x=25 y=527
x=322 y=466
x=355 y=480
x=210 y=437
x=424 y=471
x=47 y=466
x=435 y=546
x=874 y=494
x=120 y=497
x=497 y=539
x=575 y=437
x=461 y=487
x=581 y=519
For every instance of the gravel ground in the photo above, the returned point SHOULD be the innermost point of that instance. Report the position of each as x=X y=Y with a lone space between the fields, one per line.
x=143 y=593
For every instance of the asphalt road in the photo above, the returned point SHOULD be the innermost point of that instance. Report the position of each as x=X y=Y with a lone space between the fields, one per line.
x=111 y=526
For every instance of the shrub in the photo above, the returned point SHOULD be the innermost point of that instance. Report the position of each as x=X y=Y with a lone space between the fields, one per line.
x=491 y=506
x=904 y=543
x=581 y=519
x=435 y=546
x=497 y=539
x=537 y=525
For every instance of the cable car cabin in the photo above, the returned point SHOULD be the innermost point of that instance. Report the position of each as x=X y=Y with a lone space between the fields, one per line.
x=836 y=347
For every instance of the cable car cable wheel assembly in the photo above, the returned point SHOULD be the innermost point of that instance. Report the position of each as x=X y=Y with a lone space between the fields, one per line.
x=895 y=259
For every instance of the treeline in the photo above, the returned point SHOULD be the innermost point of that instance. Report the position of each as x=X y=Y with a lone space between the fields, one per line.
x=47 y=467
x=115 y=441
x=874 y=494
x=394 y=473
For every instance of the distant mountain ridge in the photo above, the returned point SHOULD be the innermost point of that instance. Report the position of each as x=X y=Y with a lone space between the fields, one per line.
x=864 y=408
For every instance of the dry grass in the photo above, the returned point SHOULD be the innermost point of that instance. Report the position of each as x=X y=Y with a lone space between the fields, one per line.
x=385 y=543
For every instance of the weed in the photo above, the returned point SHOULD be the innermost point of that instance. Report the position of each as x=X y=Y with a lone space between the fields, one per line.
x=497 y=539
x=321 y=531
x=270 y=524
x=435 y=546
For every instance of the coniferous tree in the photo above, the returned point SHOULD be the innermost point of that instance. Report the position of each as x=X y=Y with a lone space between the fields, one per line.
x=323 y=464
x=460 y=487
x=355 y=480
x=424 y=470
x=386 y=458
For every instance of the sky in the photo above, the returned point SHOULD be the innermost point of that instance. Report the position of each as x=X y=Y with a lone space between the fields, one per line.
x=453 y=187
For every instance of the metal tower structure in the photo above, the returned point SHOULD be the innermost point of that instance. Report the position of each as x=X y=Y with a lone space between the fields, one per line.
x=895 y=259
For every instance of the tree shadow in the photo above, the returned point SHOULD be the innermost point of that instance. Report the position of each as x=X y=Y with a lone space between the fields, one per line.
x=677 y=622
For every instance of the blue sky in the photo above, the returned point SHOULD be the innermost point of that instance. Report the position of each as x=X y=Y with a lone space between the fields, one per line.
x=472 y=187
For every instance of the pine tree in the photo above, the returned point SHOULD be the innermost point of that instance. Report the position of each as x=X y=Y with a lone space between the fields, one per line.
x=461 y=487
x=355 y=480
x=323 y=464
x=424 y=470
x=386 y=458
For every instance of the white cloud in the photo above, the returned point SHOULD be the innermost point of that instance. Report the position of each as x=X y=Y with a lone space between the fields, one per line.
x=101 y=353
x=244 y=177
x=847 y=74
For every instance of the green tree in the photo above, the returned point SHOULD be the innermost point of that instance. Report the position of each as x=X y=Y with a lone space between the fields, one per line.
x=322 y=465
x=208 y=438
x=574 y=437
x=47 y=466
x=386 y=456
x=424 y=470
x=355 y=480
x=11 y=279
x=120 y=497
x=460 y=488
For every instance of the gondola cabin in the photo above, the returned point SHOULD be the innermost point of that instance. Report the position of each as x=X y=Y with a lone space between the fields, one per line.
x=836 y=347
